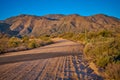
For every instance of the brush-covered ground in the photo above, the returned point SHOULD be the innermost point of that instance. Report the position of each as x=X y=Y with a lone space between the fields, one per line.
x=13 y=44
x=101 y=49
x=62 y=60
x=100 y=52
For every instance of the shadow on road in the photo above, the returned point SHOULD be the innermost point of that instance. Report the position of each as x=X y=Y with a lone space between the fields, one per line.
x=45 y=47
x=29 y=57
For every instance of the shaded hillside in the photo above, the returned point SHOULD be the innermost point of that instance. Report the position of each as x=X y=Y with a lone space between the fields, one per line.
x=56 y=24
x=5 y=28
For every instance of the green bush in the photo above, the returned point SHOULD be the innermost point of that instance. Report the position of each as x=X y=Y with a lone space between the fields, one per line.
x=102 y=51
x=25 y=39
x=93 y=50
x=67 y=35
x=103 y=61
x=44 y=38
x=105 y=33
x=14 y=42
x=10 y=44
x=32 y=44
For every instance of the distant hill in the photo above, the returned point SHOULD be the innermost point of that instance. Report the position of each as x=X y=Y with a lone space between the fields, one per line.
x=57 y=23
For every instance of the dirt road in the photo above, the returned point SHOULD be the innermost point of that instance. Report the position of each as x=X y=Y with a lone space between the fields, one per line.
x=60 y=61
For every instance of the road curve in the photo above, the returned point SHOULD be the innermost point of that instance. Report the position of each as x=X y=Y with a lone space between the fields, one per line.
x=61 y=47
x=62 y=60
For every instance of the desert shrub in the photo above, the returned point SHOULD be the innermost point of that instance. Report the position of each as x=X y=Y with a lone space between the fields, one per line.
x=39 y=41
x=105 y=33
x=32 y=44
x=3 y=44
x=93 y=50
x=73 y=36
x=92 y=35
x=67 y=35
x=103 y=61
x=54 y=35
x=117 y=57
x=102 y=48
x=113 y=71
x=78 y=37
x=103 y=51
x=44 y=38
x=14 y=42
x=25 y=39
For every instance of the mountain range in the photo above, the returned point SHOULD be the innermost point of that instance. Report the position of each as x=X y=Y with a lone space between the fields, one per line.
x=57 y=23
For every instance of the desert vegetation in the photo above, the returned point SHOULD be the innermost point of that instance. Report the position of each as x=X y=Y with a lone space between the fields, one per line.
x=8 y=44
x=99 y=35
x=102 y=48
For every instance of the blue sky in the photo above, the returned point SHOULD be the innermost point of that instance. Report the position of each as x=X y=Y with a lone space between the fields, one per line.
x=10 y=8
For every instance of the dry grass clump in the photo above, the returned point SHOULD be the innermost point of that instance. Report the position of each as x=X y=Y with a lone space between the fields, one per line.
x=9 y=44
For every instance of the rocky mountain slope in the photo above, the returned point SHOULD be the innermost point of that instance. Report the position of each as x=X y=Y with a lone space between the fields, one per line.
x=57 y=23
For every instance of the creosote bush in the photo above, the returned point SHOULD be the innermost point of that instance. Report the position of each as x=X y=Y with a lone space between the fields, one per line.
x=32 y=44
x=14 y=42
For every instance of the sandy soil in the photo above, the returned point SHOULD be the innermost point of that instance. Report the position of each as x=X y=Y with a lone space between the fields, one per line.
x=60 y=61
